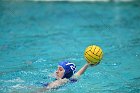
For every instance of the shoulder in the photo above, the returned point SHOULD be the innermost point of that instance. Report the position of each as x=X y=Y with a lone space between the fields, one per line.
x=75 y=76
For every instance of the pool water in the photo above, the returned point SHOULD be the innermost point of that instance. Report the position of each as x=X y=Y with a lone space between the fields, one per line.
x=35 y=36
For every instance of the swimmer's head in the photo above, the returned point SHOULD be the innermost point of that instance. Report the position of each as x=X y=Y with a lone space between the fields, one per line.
x=65 y=69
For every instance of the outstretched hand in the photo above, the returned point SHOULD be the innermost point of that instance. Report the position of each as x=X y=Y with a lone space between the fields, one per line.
x=94 y=64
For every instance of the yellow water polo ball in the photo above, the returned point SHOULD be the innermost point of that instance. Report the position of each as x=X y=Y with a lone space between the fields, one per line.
x=93 y=54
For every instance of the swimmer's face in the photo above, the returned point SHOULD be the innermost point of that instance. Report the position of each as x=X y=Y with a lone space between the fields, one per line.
x=60 y=72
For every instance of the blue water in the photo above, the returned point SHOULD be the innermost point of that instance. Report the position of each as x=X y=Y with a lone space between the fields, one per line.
x=35 y=36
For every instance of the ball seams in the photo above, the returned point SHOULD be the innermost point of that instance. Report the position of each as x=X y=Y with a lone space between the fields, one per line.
x=92 y=56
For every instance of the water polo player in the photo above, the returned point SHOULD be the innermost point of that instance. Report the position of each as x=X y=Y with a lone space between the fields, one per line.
x=66 y=70
x=65 y=73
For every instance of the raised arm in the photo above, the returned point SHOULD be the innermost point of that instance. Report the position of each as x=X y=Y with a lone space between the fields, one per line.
x=82 y=70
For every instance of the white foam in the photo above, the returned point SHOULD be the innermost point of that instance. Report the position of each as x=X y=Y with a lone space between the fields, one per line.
x=53 y=75
x=40 y=60
x=15 y=80
x=18 y=86
x=45 y=70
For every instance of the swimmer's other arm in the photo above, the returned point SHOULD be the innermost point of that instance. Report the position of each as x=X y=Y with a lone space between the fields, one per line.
x=56 y=83
x=53 y=85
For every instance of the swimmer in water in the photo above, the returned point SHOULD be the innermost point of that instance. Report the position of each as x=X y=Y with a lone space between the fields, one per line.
x=66 y=72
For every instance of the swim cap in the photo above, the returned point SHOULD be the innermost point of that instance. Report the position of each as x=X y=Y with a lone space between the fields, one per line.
x=69 y=68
